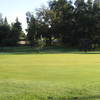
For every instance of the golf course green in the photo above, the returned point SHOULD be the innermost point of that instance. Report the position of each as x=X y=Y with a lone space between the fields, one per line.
x=62 y=76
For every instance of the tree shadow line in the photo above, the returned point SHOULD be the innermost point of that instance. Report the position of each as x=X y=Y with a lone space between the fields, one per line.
x=77 y=98
x=46 y=51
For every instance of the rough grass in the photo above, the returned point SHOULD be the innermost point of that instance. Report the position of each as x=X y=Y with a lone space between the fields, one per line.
x=50 y=76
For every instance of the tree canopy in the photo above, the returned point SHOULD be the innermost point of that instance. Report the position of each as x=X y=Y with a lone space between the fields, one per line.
x=62 y=21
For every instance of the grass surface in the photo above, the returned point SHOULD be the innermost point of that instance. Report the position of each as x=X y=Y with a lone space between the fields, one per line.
x=50 y=76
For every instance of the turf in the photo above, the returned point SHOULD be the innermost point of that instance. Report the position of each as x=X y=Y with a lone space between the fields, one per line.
x=50 y=76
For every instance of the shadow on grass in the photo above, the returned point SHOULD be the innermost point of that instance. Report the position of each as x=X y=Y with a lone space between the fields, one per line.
x=40 y=52
x=89 y=52
x=30 y=50
x=86 y=98
x=77 y=98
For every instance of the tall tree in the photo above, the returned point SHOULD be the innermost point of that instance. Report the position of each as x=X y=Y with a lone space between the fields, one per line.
x=31 y=28
x=63 y=22
x=1 y=19
x=5 y=21
x=16 y=32
x=4 y=35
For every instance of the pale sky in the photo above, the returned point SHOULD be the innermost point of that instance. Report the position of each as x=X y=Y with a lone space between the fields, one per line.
x=17 y=8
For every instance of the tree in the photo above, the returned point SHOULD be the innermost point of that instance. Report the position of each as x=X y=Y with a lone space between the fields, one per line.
x=4 y=34
x=31 y=29
x=65 y=22
x=44 y=19
x=4 y=31
x=1 y=19
x=16 y=32
x=84 y=21
x=5 y=21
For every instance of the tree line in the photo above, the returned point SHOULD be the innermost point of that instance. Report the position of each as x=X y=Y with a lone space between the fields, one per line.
x=10 y=34
x=61 y=23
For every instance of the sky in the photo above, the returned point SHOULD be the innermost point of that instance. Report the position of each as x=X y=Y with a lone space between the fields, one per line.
x=17 y=8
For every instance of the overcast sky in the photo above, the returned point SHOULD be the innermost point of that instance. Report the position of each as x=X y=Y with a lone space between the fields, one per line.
x=17 y=8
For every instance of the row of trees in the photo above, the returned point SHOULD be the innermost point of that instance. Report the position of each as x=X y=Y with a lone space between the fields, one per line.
x=65 y=22
x=62 y=23
x=10 y=34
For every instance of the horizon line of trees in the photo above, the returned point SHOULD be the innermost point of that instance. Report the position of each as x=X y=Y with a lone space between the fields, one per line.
x=10 y=34
x=61 y=23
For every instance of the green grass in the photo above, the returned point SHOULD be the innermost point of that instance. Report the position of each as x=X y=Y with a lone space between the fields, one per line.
x=62 y=76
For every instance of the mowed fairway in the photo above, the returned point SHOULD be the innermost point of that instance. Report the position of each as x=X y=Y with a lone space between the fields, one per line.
x=49 y=76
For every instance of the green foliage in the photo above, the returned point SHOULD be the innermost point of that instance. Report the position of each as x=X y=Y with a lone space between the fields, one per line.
x=62 y=21
x=66 y=22
x=4 y=34
x=16 y=33
x=10 y=35
x=31 y=30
